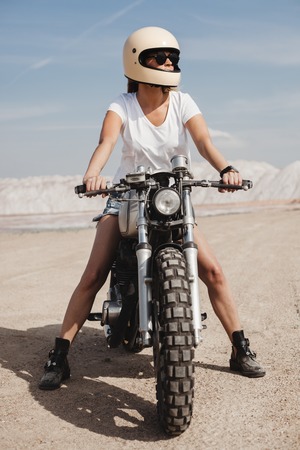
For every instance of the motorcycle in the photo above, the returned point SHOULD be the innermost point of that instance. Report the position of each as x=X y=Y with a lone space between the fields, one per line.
x=153 y=299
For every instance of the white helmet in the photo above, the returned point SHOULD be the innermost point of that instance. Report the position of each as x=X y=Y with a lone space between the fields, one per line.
x=140 y=43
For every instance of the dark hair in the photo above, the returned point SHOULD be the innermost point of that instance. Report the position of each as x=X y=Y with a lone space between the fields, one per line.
x=133 y=86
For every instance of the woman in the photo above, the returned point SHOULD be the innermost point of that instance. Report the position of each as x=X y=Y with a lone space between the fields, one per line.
x=153 y=120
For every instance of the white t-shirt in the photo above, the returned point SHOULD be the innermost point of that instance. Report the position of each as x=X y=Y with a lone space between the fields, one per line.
x=146 y=144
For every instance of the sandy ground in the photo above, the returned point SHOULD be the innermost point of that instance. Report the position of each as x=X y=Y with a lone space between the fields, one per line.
x=110 y=400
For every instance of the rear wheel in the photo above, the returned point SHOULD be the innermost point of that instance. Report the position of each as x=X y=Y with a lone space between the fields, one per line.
x=173 y=342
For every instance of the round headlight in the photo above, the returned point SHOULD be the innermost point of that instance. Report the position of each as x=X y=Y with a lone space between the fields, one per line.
x=166 y=201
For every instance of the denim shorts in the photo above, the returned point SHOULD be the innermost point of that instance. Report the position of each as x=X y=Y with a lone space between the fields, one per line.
x=112 y=207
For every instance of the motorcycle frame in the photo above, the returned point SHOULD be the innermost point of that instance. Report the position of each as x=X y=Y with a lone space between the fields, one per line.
x=144 y=250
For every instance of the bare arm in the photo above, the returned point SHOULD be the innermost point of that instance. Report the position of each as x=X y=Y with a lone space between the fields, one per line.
x=199 y=132
x=108 y=137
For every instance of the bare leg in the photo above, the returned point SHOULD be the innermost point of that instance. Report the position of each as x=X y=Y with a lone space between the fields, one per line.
x=99 y=264
x=219 y=292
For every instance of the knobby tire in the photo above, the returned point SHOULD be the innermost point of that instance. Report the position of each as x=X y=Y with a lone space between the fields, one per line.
x=173 y=342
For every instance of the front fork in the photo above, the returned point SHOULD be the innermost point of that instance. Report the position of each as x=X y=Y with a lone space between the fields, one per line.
x=144 y=253
x=190 y=251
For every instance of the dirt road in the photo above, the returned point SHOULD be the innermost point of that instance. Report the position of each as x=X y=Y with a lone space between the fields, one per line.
x=110 y=400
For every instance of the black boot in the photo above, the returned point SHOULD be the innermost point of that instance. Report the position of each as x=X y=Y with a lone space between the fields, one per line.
x=243 y=360
x=57 y=367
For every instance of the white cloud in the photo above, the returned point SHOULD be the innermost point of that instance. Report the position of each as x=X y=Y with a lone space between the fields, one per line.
x=103 y=22
x=122 y=12
x=27 y=112
x=219 y=134
x=41 y=63
x=72 y=42
x=259 y=49
x=245 y=41
x=282 y=101
x=61 y=127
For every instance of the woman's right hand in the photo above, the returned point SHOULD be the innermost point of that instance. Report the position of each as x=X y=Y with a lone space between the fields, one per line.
x=94 y=183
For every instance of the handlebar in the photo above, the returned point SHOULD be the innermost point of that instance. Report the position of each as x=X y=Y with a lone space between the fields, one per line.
x=246 y=184
x=81 y=190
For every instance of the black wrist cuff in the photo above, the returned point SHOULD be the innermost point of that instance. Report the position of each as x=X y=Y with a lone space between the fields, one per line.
x=228 y=169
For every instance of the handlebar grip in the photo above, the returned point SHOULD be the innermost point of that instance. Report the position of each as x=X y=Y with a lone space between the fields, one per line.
x=248 y=184
x=81 y=189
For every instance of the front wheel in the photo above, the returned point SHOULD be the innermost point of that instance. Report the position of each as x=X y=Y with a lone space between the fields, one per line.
x=173 y=342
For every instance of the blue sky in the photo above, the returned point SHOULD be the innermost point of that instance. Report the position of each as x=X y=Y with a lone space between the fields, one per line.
x=61 y=66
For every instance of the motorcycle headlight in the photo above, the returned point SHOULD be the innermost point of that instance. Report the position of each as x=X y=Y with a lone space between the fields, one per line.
x=166 y=201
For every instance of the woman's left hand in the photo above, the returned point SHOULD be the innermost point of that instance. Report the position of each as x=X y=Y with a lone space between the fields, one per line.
x=231 y=177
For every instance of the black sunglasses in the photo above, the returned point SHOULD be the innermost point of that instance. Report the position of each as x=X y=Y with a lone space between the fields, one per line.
x=161 y=58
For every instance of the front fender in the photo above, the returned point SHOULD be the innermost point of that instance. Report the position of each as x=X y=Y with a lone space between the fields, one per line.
x=167 y=245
